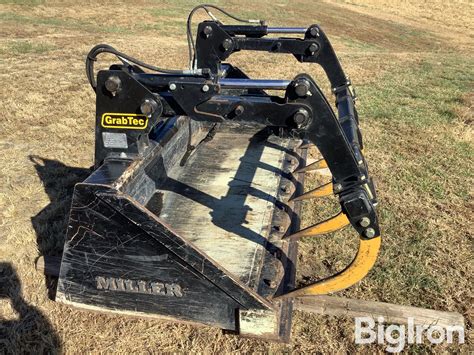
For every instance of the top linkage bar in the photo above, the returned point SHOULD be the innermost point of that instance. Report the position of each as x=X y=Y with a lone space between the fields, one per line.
x=216 y=42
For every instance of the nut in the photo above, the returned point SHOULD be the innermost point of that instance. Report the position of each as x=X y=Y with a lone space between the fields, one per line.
x=207 y=31
x=113 y=84
x=314 y=31
x=364 y=222
x=369 y=232
x=302 y=87
x=301 y=117
x=227 y=44
x=313 y=48
x=148 y=107
x=239 y=110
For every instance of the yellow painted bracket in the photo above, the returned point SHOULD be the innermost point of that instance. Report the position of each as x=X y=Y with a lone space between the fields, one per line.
x=356 y=271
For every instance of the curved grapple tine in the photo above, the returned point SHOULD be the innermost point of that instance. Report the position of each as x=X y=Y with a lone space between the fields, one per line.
x=332 y=224
x=321 y=191
x=318 y=164
x=356 y=271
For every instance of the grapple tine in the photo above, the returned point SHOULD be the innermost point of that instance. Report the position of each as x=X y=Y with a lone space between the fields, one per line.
x=318 y=164
x=332 y=224
x=356 y=271
x=321 y=191
x=307 y=146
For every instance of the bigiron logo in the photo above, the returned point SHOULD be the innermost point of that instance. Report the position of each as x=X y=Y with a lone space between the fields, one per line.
x=124 y=120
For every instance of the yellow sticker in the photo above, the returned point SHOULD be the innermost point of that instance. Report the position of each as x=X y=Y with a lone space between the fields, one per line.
x=124 y=120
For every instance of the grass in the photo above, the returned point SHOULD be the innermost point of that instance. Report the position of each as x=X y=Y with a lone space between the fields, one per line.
x=412 y=68
x=69 y=24
x=17 y=18
x=26 y=47
x=23 y=2
x=426 y=93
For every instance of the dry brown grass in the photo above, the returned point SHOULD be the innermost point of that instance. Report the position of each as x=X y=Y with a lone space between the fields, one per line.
x=413 y=69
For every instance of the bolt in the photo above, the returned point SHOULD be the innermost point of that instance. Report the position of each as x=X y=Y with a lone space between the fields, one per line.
x=207 y=31
x=364 y=222
x=270 y=283
x=285 y=189
x=360 y=162
x=113 y=84
x=239 y=110
x=302 y=87
x=369 y=232
x=301 y=117
x=313 y=48
x=172 y=86
x=227 y=44
x=337 y=187
x=280 y=206
x=314 y=31
x=205 y=88
x=148 y=107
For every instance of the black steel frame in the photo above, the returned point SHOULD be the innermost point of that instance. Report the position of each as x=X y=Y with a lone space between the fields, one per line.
x=223 y=92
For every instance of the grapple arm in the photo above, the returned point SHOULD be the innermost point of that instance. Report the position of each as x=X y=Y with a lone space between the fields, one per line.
x=338 y=139
x=221 y=92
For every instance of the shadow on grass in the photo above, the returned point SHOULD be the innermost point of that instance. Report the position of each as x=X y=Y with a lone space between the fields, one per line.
x=31 y=332
x=51 y=222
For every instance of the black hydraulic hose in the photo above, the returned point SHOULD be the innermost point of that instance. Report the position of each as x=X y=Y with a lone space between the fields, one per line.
x=206 y=7
x=105 y=48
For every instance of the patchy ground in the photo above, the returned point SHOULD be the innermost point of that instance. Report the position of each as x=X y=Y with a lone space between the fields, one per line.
x=412 y=67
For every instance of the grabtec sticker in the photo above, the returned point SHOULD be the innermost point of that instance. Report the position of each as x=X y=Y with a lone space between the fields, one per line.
x=124 y=120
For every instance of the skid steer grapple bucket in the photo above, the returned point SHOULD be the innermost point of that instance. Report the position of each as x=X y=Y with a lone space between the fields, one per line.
x=192 y=210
